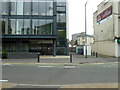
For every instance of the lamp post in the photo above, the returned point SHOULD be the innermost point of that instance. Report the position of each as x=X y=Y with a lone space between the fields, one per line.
x=86 y=31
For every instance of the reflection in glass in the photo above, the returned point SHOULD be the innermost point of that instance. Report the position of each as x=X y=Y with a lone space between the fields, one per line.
x=49 y=8
x=3 y=23
x=61 y=20
x=61 y=2
x=26 y=29
x=23 y=47
x=61 y=34
x=60 y=8
x=12 y=29
x=49 y=27
x=20 y=8
x=19 y=26
x=42 y=8
x=61 y=17
x=35 y=8
x=13 y=8
x=34 y=26
x=41 y=27
x=4 y=8
x=27 y=8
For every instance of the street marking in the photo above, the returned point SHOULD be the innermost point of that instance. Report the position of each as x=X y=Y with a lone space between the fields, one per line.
x=38 y=85
x=69 y=66
x=3 y=80
x=46 y=66
x=7 y=64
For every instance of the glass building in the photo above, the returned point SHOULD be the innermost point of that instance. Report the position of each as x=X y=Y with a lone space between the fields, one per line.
x=34 y=25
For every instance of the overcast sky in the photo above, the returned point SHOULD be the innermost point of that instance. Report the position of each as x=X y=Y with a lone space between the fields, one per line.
x=77 y=17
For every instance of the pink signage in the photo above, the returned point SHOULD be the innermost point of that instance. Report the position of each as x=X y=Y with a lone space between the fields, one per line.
x=106 y=13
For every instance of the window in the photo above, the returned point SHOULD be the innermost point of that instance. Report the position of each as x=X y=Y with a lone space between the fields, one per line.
x=20 y=8
x=41 y=27
x=26 y=29
x=27 y=8
x=61 y=3
x=19 y=26
x=61 y=34
x=49 y=8
x=13 y=8
x=61 y=9
x=42 y=8
x=61 y=20
x=35 y=7
x=4 y=25
x=4 y=8
x=12 y=29
x=61 y=17
x=49 y=27
x=34 y=26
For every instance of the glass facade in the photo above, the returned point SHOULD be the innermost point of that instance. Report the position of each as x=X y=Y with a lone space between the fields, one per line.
x=34 y=18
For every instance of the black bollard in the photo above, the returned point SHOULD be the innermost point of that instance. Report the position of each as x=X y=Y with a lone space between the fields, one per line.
x=70 y=58
x=38 y=57
x=96 y=54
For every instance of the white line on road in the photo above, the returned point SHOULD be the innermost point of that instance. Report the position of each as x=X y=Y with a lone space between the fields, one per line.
x=46 y=66
x=3 y=80
x=38 y=85
x=70 y=66
x=7 y=64
x=57 y=66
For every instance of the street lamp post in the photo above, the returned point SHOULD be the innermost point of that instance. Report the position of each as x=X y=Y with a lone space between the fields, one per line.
x=86 y=31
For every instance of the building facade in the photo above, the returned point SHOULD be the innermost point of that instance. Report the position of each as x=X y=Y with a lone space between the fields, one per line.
x=34 y=26
x=106 y=21
x=80 y=40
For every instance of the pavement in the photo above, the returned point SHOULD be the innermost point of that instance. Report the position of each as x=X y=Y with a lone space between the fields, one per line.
x=76 y=58
x=63 y=87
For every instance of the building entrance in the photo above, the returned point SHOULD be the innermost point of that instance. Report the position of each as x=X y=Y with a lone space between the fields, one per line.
x=44 y=47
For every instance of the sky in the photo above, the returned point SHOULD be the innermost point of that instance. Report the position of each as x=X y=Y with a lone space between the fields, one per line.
x=76 y=16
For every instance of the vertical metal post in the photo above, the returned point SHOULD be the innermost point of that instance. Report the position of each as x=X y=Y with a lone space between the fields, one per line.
x=38 y=57
x=70 y=58
x=85 y=31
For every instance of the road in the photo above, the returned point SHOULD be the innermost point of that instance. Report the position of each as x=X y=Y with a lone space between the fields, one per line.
x=57 y=75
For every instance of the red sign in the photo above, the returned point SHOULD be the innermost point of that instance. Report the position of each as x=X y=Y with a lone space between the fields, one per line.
x=106 y=13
